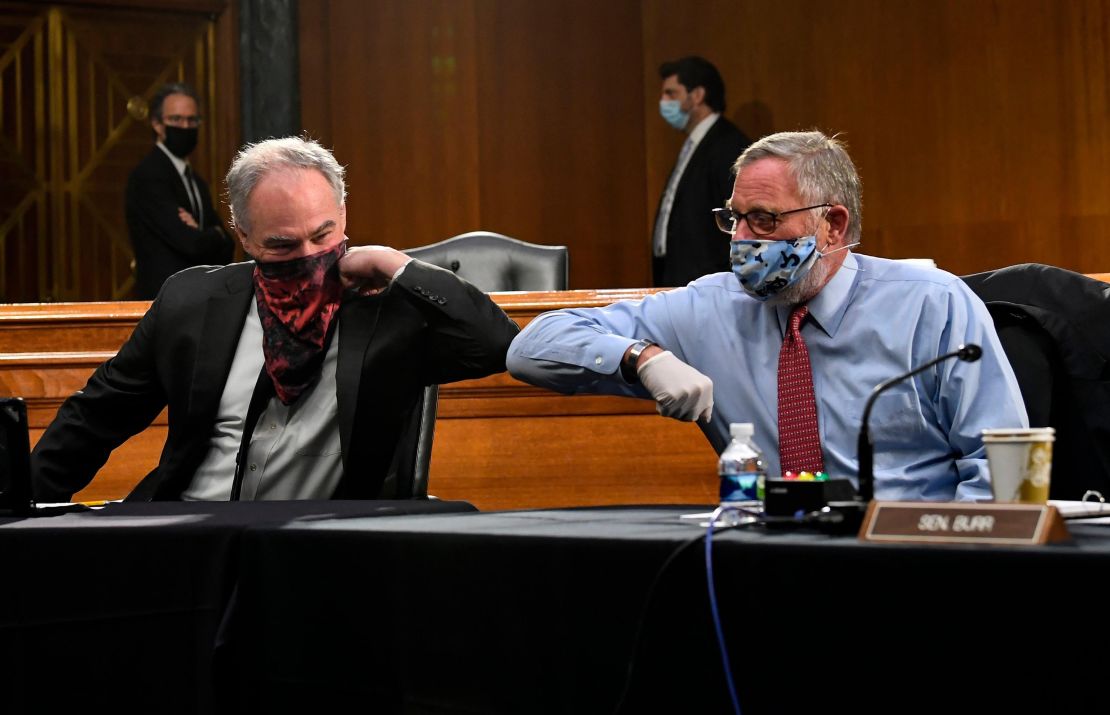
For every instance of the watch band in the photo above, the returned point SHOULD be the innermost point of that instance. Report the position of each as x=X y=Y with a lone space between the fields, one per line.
x=628 y=364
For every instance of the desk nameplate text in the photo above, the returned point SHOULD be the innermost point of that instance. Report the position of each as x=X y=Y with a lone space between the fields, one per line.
x=963 y=523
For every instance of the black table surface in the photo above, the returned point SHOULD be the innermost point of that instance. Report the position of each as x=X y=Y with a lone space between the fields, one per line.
x=601 y=610
x=122 y=606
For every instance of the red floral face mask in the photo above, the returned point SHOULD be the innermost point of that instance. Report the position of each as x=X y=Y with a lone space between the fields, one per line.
x=297 y=304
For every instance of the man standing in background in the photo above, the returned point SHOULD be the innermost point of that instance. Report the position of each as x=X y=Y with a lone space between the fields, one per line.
x=170 y=216
x=686 y=243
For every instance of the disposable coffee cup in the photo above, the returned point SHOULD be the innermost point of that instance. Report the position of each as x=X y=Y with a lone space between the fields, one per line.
x=1021 y=463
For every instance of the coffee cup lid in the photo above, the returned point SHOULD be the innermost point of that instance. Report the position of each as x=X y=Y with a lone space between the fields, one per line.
x=1013 y=434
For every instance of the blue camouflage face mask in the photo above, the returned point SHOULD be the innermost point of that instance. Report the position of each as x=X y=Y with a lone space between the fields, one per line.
x=671 y=110
x=765 y=267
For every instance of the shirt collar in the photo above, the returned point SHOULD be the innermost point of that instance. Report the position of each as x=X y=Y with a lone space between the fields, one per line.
x=827 y=308
x=698 y=133
x=178 y=163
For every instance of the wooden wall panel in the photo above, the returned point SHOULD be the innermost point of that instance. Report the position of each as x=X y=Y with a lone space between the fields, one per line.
x=390 y=86
x=455 y=115
x=74 y=81
x=561 y=137
x=980 y=127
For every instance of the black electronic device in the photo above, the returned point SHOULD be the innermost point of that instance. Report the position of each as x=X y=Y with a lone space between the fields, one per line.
x=789 y=497
x=15 y=457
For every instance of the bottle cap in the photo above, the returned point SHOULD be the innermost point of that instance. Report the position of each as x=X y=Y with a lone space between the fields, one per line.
x=741 y=429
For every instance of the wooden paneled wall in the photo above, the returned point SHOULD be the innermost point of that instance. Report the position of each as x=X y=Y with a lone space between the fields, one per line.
x=524 y=118
x=980 y=126
x=76 y=77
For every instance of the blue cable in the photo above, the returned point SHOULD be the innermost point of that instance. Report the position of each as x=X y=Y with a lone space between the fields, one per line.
x=713 y=608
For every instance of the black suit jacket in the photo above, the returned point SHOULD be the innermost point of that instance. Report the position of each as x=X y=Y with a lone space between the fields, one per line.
x=430 y=327
x=1055 y=328
x=695 y=246
x=163 y=245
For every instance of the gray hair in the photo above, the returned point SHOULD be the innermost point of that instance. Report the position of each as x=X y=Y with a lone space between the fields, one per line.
x=256 y=160
x=820 y=166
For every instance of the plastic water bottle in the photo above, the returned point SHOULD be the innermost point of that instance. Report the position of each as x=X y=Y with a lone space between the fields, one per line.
x=741 y=466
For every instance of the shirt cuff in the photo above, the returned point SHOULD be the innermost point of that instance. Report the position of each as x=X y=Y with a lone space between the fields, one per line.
x=399 y=271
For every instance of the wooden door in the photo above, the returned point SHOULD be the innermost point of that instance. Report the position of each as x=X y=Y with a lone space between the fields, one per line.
x=74 y=87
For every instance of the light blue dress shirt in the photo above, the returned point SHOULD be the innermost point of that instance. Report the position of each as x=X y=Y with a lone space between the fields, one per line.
x=874 y=320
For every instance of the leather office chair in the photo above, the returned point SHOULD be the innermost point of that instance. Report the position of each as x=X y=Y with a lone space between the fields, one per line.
x=494 y=262
x=417 y=457
x=1055 y=328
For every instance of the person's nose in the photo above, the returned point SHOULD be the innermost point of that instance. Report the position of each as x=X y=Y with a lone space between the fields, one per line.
x=743 y=231
x=309 y=248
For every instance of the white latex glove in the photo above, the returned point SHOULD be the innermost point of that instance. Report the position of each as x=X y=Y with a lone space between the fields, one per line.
x=679 y=390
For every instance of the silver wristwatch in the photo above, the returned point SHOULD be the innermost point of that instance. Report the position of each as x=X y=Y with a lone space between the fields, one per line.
x=628 y=364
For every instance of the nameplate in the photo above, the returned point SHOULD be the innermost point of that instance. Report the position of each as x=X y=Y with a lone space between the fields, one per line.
x=963 y=523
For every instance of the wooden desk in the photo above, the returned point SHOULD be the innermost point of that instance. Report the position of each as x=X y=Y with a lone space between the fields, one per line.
x=499 y=443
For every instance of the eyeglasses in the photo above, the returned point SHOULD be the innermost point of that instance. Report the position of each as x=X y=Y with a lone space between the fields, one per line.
x=762 y=223
x=180 y=120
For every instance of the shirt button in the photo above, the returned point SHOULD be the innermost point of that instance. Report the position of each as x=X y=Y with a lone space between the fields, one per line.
x=273 y=425
x=599 y=360
x=254 y=467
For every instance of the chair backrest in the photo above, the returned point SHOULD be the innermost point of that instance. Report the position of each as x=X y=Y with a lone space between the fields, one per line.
x=494 y=262
x=422 y=458
x=1055 y=328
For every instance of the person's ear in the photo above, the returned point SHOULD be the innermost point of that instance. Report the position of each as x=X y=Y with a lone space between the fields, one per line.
x=837 y=219
x=697 y=96
x=242 y=238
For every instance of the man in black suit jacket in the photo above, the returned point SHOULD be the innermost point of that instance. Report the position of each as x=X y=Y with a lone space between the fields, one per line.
x=686 y=243
x=334 y=407
x=170 y=216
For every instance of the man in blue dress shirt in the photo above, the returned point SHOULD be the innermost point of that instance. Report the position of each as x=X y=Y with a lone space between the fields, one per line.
x=710 y=352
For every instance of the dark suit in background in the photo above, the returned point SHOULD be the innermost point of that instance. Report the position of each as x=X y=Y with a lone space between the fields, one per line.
x=695 y=246
x=162 y=242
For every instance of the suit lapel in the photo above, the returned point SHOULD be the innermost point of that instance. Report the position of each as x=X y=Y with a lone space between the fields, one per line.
x=179 y=191
x=701 y=151
x=358 y=318
x=218 y=339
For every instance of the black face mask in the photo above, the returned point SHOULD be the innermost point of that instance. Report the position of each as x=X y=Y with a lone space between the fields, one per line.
x=180 y=140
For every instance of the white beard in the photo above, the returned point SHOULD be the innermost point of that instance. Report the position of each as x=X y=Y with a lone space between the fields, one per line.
x=809 y=286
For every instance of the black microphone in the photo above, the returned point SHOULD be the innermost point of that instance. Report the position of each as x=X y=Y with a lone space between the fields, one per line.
x=865 y=450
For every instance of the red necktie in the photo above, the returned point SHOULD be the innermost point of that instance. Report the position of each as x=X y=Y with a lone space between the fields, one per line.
x=799 y=440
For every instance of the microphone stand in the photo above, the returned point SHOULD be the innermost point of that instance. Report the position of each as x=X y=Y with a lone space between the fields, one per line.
x=842 y=517
x=865 y=448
